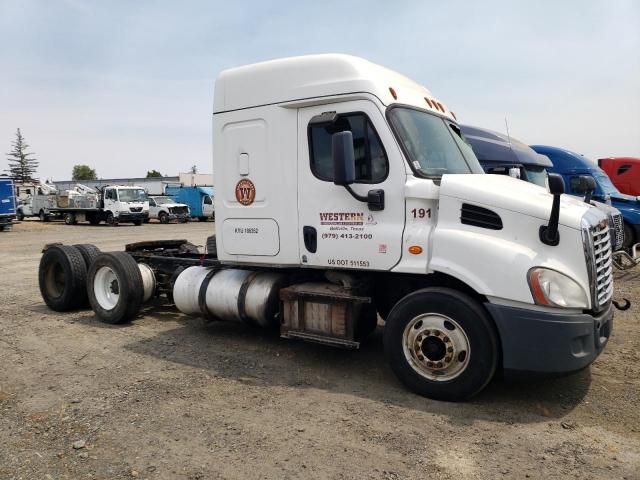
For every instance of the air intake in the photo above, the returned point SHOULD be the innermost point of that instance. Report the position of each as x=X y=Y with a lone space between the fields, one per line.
x=480 y=217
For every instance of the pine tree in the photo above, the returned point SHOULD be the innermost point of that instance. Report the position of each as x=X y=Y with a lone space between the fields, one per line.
x=22 y=165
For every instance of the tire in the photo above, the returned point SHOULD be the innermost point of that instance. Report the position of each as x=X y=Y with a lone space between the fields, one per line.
x=146 y=220
x=114 y=287
x=20 y=216
x=163 y=217
x=62 y=277
x=425 y=336
x=202 y=219
x=43 y=216
x=212 y=247
x=111 y=220
x=89 y=253
x=70 y=219
x=629 y=237
x=137 y=223
x=94 y=220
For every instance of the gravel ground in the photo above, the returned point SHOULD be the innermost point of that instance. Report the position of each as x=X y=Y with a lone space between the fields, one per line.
x=172 y=397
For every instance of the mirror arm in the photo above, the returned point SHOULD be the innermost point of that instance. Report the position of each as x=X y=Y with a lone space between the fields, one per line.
x=549 y=234
x=360 y=198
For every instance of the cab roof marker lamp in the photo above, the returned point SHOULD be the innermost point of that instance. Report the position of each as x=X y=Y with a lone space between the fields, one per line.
x=393 y=93
x=428 y=102
x=554 y=289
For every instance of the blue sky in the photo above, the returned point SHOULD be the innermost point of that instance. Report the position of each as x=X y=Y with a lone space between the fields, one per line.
x=127 y=86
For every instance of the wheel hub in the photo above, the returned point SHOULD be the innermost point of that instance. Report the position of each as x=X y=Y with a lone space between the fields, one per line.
x=436 y=346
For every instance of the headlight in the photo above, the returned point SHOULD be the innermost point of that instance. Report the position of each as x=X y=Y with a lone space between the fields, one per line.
x=555 y=289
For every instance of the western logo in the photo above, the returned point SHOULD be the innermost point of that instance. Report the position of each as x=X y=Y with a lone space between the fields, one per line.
x=341 y=218
x=245 y=192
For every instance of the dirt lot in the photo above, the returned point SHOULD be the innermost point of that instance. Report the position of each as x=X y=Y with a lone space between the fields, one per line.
x=171 y=397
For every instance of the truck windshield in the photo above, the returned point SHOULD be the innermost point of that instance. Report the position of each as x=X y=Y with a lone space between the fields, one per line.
x=605 y=183
x=537 y=175
x=433 y=144
x=132 y=195
x=162 y=200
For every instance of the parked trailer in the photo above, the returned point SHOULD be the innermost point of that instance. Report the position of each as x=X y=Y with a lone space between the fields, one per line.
x=199 y=200
x=344 y=192
x=7 y=204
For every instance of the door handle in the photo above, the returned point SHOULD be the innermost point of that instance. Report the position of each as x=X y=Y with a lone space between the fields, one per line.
x=310 y=237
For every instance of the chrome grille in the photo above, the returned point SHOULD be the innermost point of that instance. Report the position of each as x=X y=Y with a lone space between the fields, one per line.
x=618 y=231
x=603 y=265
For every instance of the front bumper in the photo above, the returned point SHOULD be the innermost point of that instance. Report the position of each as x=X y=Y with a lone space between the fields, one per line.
x=549 y=343
x=132 y=216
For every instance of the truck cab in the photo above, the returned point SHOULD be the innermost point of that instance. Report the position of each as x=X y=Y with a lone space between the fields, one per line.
x=329 y=163
x=125 y=204
x=573 y=165
x=624 y=172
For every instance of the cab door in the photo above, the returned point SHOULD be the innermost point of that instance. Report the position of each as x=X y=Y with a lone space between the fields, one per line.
x=335 y=229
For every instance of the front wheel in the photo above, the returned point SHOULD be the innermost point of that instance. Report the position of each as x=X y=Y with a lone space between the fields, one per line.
x=111 y=220
x=441 y=344
x=20 y=216
x=163 y=217
x=43 y=216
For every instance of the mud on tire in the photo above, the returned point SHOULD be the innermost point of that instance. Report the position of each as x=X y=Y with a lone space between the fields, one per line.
x=114 y=287
x=62 y=277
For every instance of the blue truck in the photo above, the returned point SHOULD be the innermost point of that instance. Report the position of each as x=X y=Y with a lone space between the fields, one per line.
x=7 y=204
x=199 y=200
x=572 y=166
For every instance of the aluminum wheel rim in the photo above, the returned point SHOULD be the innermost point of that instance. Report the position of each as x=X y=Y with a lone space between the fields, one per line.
x=436 y=347
x=106 y=288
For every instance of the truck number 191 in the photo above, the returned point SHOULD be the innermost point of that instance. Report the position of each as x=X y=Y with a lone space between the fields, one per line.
x=421 y=213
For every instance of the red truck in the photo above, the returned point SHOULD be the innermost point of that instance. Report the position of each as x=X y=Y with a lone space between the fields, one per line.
x=624 y=172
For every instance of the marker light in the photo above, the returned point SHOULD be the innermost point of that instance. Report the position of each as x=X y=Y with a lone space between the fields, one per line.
x=393 y=93
x=428 y=102
x=415 y=249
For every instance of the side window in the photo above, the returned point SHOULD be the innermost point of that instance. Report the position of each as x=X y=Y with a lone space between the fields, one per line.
x=623 y=169
x=109 y=194
x=152 y=202
x=207 y=200
x=371 y=161
x=574 y=185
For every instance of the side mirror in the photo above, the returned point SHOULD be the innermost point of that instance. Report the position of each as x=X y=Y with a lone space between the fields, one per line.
x=556 y=184
x=549 y=234
x=587 y=186
x=344 y=164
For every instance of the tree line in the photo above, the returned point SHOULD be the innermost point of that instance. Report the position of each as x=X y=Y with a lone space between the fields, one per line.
x=23 y=165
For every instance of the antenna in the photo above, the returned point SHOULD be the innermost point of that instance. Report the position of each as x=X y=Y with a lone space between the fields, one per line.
x=506 y=124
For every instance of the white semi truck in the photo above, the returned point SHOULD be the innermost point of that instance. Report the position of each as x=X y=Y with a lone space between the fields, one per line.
x=113 y=204
x=345 y=193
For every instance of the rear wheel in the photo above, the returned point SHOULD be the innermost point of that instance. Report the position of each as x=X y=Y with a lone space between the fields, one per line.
x=20 y=215
x=89 y=253
x=94 y=220
x=115 y=287
x=43 y=216
x=70 y=219
x=62 y=277
x=202 y=219
x=441 y=344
